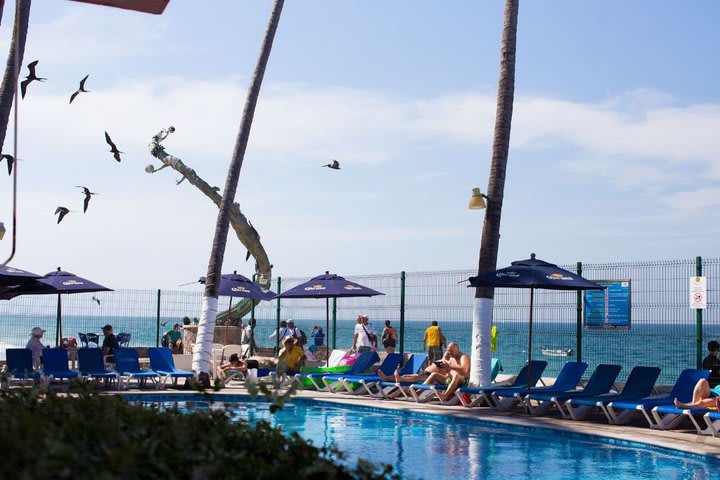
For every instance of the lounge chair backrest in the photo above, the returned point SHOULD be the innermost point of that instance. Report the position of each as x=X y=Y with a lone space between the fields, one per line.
x=229 y=350
x=83 y=340
x=390 y=363
x=55 y=359
x=570 y=375
x=538 y=367
x=414 y=364
x=685 y=384
x=90 y=360
x=161 y=359
x=126 y=360
x=495 y=368
x=602 y=379
x=335 y=357
x=640 y=382
x=124 y=339
x=364 y=361
x=19 y=360
x=93 y=338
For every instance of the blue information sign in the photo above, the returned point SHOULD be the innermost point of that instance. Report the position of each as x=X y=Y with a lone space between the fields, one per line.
x=609 y=308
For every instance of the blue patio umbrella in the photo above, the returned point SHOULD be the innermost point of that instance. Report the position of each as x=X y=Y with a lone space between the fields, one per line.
x=10 y=276
x=57 y=282
x=235 y=285
x=533 y=273
x=329 y=286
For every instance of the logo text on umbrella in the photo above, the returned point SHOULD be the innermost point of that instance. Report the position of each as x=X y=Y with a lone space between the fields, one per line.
x=315 y=287
x=73 y=282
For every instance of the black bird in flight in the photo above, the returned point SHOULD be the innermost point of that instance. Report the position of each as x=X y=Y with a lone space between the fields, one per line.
x=162 y=324
x=81 y=89
x=88 y=194
x=30 y=78
x=335 y=165
x=10 y=161
x=95 y=299
x=113 y=148
x=62 y=211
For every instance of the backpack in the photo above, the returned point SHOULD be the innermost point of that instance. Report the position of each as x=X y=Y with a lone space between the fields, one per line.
x=302 y=339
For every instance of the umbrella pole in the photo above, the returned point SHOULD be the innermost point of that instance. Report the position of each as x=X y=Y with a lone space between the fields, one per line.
x=532 y=295
x=227 y=320
x=58 y=321
x=327 y=329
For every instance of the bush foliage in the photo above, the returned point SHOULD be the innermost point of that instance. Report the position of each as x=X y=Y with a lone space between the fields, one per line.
x=86 y=435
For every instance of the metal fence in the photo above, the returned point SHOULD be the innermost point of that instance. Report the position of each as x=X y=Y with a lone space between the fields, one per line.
x=664 y=331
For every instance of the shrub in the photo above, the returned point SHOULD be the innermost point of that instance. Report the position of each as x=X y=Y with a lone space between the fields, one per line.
x=86 y=435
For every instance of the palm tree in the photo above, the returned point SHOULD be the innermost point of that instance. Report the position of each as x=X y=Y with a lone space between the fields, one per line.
x=483 y=305
x=9 y=82
x=206 y=328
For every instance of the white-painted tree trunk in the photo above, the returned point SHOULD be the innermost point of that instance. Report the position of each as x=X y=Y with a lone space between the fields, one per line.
x=480 y=365
x=202 y=350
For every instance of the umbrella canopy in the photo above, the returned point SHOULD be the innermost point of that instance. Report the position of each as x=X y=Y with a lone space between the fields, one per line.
x=533 y=273
x=57 y=282
x=14 y=276
x=329 y=286
x=234 y=285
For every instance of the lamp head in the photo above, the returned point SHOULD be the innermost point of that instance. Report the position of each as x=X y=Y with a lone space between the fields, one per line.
x=2 y=230
x=477 y=201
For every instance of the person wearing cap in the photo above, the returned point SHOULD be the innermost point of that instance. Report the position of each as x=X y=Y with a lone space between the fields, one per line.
x=110 y=343
x=292 y=354
x=35 y=345
x=281 y=332
x=175 y=341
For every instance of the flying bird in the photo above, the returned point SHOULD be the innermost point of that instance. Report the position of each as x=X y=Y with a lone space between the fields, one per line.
x=30 y=78
x=10 y=161
x=113 y=148
x=95 y=299
x=62 y=211
x=88 y=194
x=165 y=323
x=335 y=165
x=81 y=89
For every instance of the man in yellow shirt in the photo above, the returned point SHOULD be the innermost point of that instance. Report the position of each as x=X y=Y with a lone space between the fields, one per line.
x=433 y=340
x=293 y=355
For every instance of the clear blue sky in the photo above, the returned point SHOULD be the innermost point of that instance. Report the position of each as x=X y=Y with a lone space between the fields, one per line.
x=613 y=150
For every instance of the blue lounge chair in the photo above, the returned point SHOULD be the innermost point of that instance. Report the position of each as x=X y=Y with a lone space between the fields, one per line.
x=124 y=339
x=412 y=366
x=55 y=364
x=601 y=381
x=162 y=363
x=20 y=365
x=639 y=385
x=622 y=412
x=87 y=338
x=356 y=384
x=363 y=362
x=474 y=396
x=127 y=366
x=92 y=365
x=567 y=380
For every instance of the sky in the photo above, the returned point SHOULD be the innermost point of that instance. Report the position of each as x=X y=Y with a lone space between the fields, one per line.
x=613 y=153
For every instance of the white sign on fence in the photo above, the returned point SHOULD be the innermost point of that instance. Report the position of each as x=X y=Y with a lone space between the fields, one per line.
x=698 y=293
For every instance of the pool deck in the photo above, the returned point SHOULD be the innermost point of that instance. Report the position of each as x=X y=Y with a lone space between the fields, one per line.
x=682 y=439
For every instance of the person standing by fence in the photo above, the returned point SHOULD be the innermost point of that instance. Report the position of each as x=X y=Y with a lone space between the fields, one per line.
x=433 y=340
x=712 y=363
x=364 y=338
x=389 y=337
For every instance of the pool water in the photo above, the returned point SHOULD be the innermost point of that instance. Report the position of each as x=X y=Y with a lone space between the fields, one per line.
x=431 y=446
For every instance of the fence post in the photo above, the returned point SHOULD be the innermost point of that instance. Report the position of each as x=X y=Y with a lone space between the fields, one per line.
x=334 y=327
x=277 y=318
x=578 y=326
x=251 y=326
x=699 y=318
x=157 y=321
x=402 y=312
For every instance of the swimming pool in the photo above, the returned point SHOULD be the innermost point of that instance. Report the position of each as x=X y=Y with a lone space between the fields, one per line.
x=423 y=445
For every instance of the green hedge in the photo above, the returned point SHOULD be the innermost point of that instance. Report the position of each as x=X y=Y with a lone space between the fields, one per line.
x=86 y=435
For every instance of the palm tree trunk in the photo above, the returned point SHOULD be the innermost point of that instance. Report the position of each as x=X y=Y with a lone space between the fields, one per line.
x=483 y=305
x=9 y=82
x=202 y=359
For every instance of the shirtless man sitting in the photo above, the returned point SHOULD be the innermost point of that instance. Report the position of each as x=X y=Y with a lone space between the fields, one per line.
x=452 y=370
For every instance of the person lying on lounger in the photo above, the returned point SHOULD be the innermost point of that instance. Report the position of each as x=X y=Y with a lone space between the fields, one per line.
x=234 y=366
x=703 y=397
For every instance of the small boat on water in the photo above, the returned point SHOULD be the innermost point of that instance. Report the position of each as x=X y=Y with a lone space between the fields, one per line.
x=557 y=352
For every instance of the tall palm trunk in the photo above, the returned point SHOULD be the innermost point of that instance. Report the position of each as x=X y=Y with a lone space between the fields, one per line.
x=483 y=305
x=202 y=359
x=9 y=82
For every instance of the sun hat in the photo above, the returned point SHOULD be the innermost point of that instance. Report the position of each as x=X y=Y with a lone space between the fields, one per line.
x=107 y=327
x=37 y=331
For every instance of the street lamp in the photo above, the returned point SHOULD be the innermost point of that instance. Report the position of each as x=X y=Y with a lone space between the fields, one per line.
x=477 y=200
